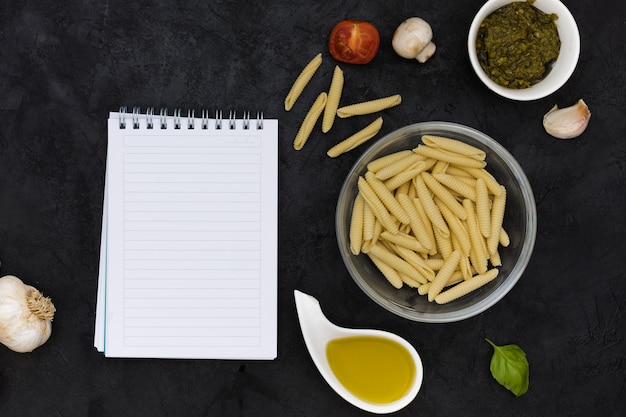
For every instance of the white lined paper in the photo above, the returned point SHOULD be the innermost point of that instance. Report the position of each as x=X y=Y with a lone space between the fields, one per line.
x=191 y=243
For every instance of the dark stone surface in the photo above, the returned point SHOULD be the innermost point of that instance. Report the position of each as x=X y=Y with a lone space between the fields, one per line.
x=65 y=64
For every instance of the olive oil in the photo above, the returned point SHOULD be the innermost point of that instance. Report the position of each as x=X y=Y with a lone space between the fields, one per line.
x=372 y=368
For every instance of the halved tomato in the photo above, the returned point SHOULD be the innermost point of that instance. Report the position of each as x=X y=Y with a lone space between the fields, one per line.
x=354 y=41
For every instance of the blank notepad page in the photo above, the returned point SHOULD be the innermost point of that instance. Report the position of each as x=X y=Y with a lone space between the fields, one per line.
x=191 y=241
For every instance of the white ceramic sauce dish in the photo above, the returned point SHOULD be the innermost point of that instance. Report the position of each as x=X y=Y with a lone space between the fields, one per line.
x=318 y=332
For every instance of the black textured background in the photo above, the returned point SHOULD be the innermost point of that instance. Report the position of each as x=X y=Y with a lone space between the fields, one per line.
x=65 y=64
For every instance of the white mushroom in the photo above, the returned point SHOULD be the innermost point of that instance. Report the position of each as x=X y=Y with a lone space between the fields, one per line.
x=412 y=39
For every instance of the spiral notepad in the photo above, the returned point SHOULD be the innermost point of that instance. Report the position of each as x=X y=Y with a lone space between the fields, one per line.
x=188 y=263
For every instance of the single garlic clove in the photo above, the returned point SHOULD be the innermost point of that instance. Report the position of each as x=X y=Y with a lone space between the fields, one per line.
x=568 y=122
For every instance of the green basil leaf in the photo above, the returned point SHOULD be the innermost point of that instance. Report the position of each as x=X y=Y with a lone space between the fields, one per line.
x=509 y=367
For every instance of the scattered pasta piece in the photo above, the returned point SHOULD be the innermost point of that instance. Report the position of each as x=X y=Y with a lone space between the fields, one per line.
x=334 y=95
x=369 y=107
x=357 y=139
x=309 y=121
x=302 y=80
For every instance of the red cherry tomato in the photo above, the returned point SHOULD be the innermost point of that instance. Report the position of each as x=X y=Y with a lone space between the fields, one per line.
x=354 y=42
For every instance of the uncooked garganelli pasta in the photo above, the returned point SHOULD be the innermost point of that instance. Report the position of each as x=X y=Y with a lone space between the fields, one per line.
x=302 y=80
x=357 y=139
x=369 y=107
x=309 y=121
x=334 y=95
x=434 y=224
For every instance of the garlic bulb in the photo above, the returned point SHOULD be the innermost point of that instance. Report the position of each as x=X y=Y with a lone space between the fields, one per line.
x=568 y=122
x=25 y=315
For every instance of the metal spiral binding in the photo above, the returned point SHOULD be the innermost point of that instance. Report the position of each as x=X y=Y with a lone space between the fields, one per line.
x=136 y=116
x=218 y=119
x=122 y=117
x=163 y=118
x=191 y=117
x=176 y=118
x=231 y=120
x=149 y=115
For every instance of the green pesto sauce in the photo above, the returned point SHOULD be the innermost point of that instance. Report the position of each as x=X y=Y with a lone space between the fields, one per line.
x=518 y=44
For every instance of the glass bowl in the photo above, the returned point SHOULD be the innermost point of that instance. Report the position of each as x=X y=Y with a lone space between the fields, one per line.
x=520 y=222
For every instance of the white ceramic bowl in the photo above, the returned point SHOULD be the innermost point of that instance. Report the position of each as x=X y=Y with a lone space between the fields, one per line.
x=520 y=222
x=563 y=67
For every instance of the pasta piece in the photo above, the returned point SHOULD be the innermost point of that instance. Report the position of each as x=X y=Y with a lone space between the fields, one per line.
x=394 y=168
x=483 y=208
x=494 y=258
x=444 y=243
x=309 y=121
x=415 y=222
x=394 y=261
x=454 y=279
x=444 y=195
x=428 y=227
x=431 y=209
x=302 y=80
x=387 y=198
x=334 y=95
x=369 y=107
x=452 y=158
x=404 y=177
x=416 y=262
x=492 y=185
x=464 y=264
x=497 y=216
x=434 y=263
x=379 y=163
x=368 y=221
x=404 y=240
x=504 y=238
x=457 y=185
x=449 y=266
x=466 y=287
x=456 y=228
x=402 y=189
x=479 y=260
x=356 y=225
x=457 y=172
x=439 y=167
x=388 y=272
x=367 y=245
x=409 y=281
x=453 y=145
x=357 y=139
x=379 y=209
